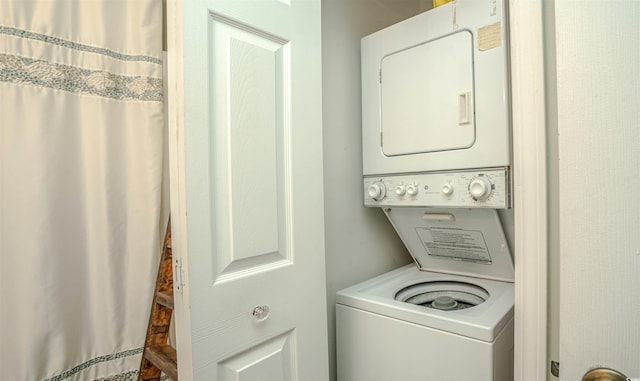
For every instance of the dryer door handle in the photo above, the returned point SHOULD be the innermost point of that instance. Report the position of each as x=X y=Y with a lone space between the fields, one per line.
x=464 y=108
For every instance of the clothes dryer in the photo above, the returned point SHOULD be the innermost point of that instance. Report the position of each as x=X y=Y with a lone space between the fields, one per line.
x=435 y=91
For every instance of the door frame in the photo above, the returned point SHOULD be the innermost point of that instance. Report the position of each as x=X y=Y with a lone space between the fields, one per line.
x=530 y=185
x=529 y=115
x=174 y=102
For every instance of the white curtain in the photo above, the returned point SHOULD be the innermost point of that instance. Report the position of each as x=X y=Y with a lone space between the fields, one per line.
x=81 y=150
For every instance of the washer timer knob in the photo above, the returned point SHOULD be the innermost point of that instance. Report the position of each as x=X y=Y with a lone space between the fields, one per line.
x=377 y=191
x=480 y=188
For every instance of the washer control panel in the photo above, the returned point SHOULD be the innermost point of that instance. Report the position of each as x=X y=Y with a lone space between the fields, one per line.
x=486 y=188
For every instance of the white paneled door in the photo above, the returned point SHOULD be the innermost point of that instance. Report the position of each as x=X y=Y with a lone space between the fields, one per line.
x=247 y=201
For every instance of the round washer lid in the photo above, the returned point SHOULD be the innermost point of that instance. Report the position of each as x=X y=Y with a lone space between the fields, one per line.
x=455 y=241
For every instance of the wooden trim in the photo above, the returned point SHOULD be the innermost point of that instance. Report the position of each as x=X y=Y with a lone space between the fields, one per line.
x=175 y=113
x=530 y=188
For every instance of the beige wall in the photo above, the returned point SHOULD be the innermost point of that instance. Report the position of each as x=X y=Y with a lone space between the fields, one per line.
x=360 y=243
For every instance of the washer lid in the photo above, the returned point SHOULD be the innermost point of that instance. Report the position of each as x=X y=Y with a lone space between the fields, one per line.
x=455 y=241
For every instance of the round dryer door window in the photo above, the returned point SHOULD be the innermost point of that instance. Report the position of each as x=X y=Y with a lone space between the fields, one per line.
x=443 y=295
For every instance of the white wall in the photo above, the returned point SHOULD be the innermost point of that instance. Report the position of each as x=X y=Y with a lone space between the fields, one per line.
x=598 y=101
x=360 y=243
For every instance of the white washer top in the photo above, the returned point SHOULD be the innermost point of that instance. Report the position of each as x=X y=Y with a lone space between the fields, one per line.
x=467 y=242
x=482 y=322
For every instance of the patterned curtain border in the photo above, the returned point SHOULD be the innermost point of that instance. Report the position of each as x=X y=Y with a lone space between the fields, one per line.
x=130 y=376
x=94 y=361
x=22 y=70
x=77 y=46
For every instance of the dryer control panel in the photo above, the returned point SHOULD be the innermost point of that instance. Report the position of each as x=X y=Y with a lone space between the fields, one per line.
x=485 y=188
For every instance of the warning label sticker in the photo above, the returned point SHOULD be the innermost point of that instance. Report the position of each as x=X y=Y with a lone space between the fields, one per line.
x=455 y=244
x=489 y=36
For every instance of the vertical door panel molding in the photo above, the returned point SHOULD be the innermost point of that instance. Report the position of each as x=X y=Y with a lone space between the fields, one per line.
x=250 y=145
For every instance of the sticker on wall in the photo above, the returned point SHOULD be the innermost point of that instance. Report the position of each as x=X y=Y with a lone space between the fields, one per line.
x=490 y=36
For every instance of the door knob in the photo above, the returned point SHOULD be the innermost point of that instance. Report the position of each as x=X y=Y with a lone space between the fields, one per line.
x=604 y=374
x=260 y=313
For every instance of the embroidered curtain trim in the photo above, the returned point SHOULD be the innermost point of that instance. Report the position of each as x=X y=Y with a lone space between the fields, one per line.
x=29 y=71
x=94 y=361
x=75 y=45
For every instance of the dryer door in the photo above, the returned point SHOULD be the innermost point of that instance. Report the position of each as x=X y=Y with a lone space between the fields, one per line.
x=427 y=97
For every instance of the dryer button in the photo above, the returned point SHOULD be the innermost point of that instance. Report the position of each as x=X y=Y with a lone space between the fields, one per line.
x=447 y=189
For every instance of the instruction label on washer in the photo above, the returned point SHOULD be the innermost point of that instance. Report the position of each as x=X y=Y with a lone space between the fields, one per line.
x=455 y=244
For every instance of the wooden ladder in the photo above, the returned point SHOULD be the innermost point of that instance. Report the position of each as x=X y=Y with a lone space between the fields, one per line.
x=159 y=357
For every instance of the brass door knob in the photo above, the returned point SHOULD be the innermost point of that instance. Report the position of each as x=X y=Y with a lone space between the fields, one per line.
x=604 y=374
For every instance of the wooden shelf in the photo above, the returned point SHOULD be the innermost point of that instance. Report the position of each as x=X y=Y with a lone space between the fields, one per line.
x=164 y=357
x=158 y=357
x=165 y=298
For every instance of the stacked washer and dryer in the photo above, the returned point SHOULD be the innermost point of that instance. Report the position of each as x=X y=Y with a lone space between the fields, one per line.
x=437 y=160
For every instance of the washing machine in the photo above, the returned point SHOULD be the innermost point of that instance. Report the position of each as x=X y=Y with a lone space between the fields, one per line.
x=448 y=317
x=437 y=160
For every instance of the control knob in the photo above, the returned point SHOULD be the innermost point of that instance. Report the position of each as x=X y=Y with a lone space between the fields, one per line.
x=401 y=190
x=480 y=188
x=447 y=189
x=412 y=190
x=377 y=191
